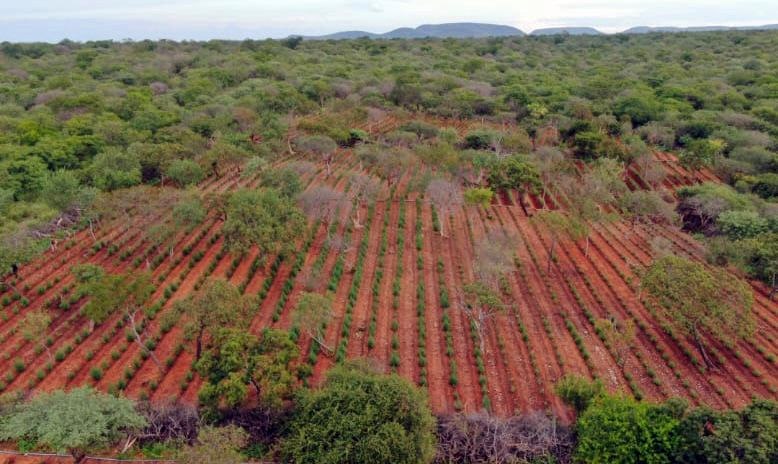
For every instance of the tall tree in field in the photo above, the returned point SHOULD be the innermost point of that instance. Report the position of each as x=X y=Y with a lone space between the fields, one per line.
x=263 y=218
x=618 y=334
x=34 y=327
x=322 y=203
x=481 y=304
x=494 y=259
x=550 y=164
x=647 y=207
x=320 y=146
x=514 y=173
x=16 y=247
x=446 y=196
x=699 y=301
x=391 y=164
x=217 y=305
x=127 y=293
x=222 y=156
x=188 y=212
x=76 y=422
x=360 y=416
x=285 y=180
x=588 y=197
x=363 y=189
x=559 y=223
x=239 y=362
x=311 y=314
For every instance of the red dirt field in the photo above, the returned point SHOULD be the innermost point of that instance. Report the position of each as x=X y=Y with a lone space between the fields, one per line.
x=547 y=329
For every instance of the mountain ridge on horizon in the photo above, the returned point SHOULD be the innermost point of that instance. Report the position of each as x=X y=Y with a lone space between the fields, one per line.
x=476 y=30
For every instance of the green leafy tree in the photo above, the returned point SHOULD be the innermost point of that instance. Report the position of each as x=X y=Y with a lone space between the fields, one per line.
x=742 y=224
x=579 y=392
x=216 y=306
x=254 y=166
x=222 y=156
x=617 y=430
x=311 y=314
x=184 y=172
x=109 y=293
x=189 y=212
x=699 y=153
x=25 y=176
x=285 y=180
x=701 y=301
x=75 y=422
x=730 y=437
x=514 y=172
x=114 y=169
x=479 y=196
x=61 y=190
x=359 y=416
x=238 y=362
x=264 y=218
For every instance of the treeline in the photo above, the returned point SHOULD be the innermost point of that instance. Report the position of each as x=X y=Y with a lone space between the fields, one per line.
x=361 y=416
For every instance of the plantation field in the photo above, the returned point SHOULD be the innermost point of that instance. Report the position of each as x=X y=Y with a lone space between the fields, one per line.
x=397 y=292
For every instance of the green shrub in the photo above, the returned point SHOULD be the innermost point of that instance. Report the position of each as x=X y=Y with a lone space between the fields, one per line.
x=359 y=416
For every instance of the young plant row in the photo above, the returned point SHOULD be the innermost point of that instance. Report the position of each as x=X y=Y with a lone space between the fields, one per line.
x=394 y=358
x=378 y=279
x=356 y=282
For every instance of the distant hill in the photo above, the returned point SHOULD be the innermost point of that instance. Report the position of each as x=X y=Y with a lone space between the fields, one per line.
x=450 y=30
x=471 y=30
x=648 y=29
x=566 y=31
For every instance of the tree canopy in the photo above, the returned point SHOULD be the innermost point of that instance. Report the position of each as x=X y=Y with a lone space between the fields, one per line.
x=78 y=421
x=262 y=218
x=360 y=416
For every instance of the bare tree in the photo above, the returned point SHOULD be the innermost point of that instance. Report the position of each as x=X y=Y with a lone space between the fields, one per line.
x=650 y=169
x=446 y=196
x=216 y=445
x=391 y=164
x=322 y=203
x=494 y=257
x=168 y=422
x=618 y=334
x=302 y=167
x=660 y=247
x=483 y=438
x=338 y=244
x=320 y=146
x=551 y=164
x=647 y=206
x=363 y=190
x=34 y=327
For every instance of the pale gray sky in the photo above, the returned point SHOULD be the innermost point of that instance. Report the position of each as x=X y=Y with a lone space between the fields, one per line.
x=52 y=20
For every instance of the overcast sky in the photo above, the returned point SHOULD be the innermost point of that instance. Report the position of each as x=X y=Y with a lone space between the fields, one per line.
x=53 y=20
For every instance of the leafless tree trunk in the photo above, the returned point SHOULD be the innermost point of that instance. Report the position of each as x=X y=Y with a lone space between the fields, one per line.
x=139 y=339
